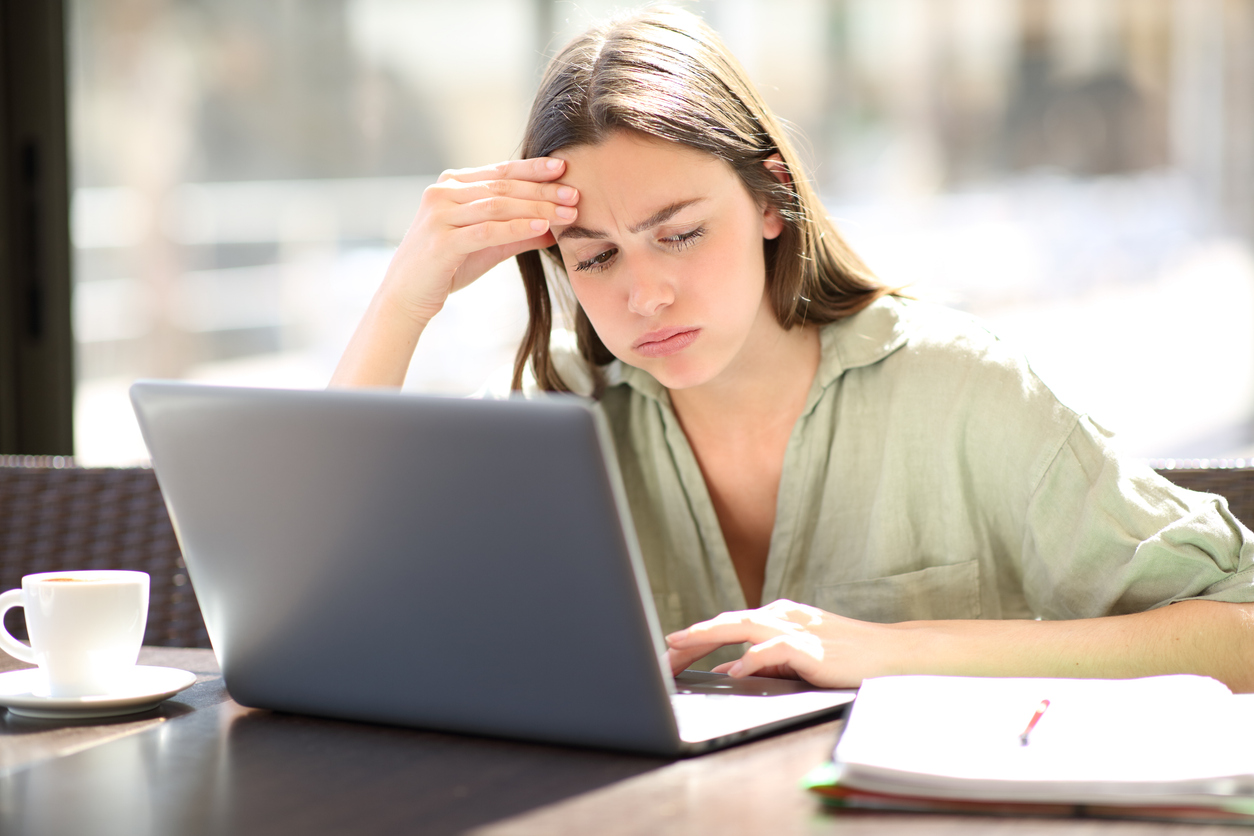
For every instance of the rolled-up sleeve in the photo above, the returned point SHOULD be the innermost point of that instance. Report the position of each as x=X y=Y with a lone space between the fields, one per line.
x=1105 y=536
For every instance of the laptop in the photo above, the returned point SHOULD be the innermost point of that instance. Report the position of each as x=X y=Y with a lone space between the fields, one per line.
x=444 y=563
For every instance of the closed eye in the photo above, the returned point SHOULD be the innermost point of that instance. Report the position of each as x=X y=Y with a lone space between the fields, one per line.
x=602 y=260
x=598 y=262
x=684 y=239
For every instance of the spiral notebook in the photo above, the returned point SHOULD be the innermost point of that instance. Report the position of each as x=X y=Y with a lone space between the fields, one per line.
x=1165 y=747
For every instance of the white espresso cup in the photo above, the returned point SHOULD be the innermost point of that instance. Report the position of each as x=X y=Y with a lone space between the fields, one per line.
x=85 y=627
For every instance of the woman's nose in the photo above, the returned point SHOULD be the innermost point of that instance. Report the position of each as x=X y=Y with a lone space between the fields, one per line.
x=649 y=292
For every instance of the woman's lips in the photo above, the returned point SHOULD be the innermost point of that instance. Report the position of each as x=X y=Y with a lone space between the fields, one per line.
x=665 y=341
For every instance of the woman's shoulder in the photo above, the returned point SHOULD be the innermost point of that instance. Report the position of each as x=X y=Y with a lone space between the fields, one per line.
x=920 y=324
x=927 y=358
x=952 y=391
x=913 y=335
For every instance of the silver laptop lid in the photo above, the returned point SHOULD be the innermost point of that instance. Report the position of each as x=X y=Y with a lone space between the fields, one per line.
x=437 y=562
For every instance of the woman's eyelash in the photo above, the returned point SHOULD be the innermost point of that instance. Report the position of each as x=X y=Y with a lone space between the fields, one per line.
x=685 y=239
x=601 y=261
x=598 y=262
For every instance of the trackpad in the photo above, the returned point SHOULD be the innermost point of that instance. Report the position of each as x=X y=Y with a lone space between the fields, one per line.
x=703 y=682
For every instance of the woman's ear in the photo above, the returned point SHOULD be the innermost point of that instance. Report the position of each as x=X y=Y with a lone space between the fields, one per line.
x=778 y=168
x=772 y=223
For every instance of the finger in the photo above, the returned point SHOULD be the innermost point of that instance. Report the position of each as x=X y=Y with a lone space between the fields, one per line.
x=459 y=192
x=781 y=609
x=803 y=614
x=506 y=209
x=468 y=239
x=542 y=243
x=681 y=660
x=791 y=652
x=478 y=263
x=753 y=626
x=774 y=671
x=538 y=168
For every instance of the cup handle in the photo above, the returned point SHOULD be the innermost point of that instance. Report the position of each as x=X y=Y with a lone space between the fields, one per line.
x=10 y=645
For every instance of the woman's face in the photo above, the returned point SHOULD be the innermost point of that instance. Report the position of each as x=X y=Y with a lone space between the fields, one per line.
x=666 y=257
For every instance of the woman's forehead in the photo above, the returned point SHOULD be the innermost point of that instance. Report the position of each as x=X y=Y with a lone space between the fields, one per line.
x=630 y=172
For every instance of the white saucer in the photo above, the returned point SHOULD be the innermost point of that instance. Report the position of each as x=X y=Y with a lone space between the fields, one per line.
x=25 y=693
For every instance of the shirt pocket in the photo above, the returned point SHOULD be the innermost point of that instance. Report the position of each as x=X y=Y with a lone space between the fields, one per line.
x=937 y=592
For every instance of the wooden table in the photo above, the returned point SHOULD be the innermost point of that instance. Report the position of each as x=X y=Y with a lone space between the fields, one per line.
x=203 y=764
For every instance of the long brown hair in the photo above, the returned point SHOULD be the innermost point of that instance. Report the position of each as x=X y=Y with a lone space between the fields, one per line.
x=664 y=73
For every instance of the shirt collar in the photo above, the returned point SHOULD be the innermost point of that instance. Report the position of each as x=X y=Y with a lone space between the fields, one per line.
x=619 y=373
x=863 y=339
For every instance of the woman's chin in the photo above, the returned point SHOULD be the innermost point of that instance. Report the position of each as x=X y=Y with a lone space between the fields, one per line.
x=679 y=373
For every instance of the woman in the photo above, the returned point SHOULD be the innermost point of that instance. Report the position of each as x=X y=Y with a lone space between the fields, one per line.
x=790 y=430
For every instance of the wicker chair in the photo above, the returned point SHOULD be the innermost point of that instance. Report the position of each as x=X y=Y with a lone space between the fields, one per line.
x=55 y=516
x=1234 y=483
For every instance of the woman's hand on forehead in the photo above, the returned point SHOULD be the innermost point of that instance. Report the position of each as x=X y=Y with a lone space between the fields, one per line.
x=501 y=210
x=472 y=219
x=468 y=221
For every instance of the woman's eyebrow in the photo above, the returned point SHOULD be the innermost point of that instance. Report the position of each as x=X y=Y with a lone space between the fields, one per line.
x=659 y=217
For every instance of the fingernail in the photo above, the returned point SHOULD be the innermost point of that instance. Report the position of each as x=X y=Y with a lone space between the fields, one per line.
x=566 y=213
x=735 y=670
x=677 y=636
x=539 y=226
x=553 y=164
x=565 y=193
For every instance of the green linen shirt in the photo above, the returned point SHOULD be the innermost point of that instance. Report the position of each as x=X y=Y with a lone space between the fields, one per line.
x=931 y=475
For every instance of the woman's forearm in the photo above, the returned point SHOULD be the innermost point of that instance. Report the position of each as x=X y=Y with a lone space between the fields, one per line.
x=381 y=348
x=789 y=639
x=1203 y=637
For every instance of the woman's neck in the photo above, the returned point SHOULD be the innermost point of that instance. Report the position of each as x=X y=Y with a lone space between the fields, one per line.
x=738 y=426
x=764 y=388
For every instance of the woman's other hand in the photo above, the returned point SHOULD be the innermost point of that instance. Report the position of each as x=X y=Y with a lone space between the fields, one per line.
x=804 y=642
x=789 y=640
x=468 y=221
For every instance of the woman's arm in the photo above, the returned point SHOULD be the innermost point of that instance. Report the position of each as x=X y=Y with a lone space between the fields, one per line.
x=796 y=640
x=468 y=222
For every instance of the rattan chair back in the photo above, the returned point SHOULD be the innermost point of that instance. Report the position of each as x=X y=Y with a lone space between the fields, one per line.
x=60 y=518
x=1236 y=484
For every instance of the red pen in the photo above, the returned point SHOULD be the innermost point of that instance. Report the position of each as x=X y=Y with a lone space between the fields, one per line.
x=1040 y=709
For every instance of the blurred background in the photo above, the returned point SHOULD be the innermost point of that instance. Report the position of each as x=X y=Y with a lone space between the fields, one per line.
x=1079 y=173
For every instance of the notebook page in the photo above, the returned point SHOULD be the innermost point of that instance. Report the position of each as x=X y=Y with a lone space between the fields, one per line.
x=963 y=733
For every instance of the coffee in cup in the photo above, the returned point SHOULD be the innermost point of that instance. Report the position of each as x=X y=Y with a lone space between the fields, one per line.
x=85 y=627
